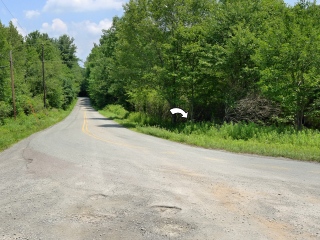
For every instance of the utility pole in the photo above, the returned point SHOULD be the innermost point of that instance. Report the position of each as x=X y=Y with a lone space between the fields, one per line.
x=43 y=81
x=12 y=87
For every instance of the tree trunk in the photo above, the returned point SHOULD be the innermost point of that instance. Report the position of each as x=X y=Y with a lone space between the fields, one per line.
x=299 y=119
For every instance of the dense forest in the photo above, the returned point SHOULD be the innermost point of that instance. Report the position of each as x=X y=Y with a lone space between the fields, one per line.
x=35 y=58
x=223 y=61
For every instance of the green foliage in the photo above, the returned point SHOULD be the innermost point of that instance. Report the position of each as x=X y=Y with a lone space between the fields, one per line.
x=30 y=105
x=117 y=110
x=67 y=50
x=101 y=82
x=25 y=125
x=5 y=111
x=62 y=78
x=288 y=58
x=207 y=57
x=4 y=64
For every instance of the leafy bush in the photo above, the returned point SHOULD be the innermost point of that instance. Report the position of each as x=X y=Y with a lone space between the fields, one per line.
x=5 y=110
x=14 y=130
x=117 y=110
x=30 y=105
x=284 y=141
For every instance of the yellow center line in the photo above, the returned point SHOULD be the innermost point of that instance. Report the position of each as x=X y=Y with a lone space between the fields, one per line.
x=87 y=132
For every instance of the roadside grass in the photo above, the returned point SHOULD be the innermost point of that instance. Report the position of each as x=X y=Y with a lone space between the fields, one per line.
x=12 y=131
x=240 y=138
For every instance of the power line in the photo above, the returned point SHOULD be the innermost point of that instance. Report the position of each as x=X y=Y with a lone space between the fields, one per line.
x=12 y=15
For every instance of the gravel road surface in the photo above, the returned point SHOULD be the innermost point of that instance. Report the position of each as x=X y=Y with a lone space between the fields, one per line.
x=89 y=178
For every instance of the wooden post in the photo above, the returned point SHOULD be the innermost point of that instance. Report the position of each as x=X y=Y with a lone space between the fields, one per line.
x=43 y=80
x=12 y=87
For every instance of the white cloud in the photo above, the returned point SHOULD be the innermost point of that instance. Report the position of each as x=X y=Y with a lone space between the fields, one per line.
x=87 y=33
x=92 y=27
x=56 y=27
x=32 y=13
x=15 y=23
x=81 y=5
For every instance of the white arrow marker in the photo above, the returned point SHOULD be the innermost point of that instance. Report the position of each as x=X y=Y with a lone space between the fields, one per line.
x=178 y=110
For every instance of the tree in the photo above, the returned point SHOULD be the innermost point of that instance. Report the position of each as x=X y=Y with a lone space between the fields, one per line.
x=62 y=85
x=160 y=42
x=4 y=63
x=61 y=81
x=289 y=57
x=100 y=70
x=67 y=50
x=208 y=56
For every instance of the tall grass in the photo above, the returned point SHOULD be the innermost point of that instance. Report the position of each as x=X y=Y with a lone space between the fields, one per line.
x=236 y=137
x=12 y=131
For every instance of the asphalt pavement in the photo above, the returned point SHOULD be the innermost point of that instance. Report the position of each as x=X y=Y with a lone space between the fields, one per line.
x=90 y=178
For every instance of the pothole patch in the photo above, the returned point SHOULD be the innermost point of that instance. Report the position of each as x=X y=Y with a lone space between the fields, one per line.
x=98 y=196
x=166 y=209
x=172 y=228
x=92 y=218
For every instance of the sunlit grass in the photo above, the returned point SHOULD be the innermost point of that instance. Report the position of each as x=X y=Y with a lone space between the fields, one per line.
x=12 y=131
x=241 y=138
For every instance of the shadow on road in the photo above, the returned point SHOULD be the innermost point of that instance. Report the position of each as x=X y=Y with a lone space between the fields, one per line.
x=103 y=119
x=110 y=126
x=85 y=103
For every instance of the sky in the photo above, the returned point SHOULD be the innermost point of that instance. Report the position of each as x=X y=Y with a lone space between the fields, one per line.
x=83 y=20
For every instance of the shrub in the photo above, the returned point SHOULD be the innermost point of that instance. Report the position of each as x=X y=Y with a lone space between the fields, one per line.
x=117 y=110
x=5 y=110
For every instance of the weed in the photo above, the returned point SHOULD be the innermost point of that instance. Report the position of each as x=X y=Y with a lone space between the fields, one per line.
x=236 y=137
x=12 y=131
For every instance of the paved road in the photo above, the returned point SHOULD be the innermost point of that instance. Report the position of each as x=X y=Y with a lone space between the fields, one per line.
x=89 y=178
